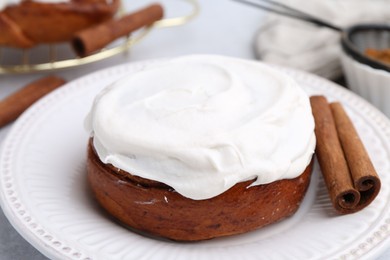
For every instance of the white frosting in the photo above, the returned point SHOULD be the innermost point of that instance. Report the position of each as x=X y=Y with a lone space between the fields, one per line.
x=201 y=124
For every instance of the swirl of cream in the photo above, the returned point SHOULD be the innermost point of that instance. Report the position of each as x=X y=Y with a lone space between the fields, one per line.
x=201 y=124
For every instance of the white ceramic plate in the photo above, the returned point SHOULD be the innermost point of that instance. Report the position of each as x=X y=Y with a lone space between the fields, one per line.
x=45 y=195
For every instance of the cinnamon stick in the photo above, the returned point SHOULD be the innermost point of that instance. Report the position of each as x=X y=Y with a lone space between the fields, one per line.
x=92 y=39
x=331 y=158
x=365 y=179
x=347 y=170
x=14 y=105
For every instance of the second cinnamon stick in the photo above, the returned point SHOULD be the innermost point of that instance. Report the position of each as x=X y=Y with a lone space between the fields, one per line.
x=365 y=179
x=95 y=38
x=15 y=104
x=348 y=172
x=331 y=158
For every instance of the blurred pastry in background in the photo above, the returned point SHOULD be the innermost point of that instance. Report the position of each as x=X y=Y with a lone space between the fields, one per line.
x=26 y=23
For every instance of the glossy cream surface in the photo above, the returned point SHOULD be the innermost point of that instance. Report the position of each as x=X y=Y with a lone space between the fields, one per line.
x=202 y=123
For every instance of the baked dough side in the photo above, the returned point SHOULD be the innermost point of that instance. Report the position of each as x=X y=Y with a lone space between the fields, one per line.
x=157 y=209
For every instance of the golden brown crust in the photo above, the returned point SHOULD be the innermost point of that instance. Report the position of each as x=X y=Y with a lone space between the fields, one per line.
x=30 y=23
x=157 y=209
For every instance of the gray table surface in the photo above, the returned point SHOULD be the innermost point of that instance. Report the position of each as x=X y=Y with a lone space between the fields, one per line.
x=222 y=27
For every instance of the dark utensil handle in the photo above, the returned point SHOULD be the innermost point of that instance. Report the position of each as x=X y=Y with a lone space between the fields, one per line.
x=282 y=9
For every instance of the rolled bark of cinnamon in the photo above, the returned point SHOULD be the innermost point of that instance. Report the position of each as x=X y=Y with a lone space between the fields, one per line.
x=90 y=40
x=331 y=158
x=365 y=179
x=350 y=189
x=15 y=104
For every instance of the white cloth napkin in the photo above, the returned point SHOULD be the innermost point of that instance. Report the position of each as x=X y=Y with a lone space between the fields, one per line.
x=301 y=45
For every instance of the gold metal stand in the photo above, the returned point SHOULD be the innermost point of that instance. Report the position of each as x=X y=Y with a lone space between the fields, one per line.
x=53 y=62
